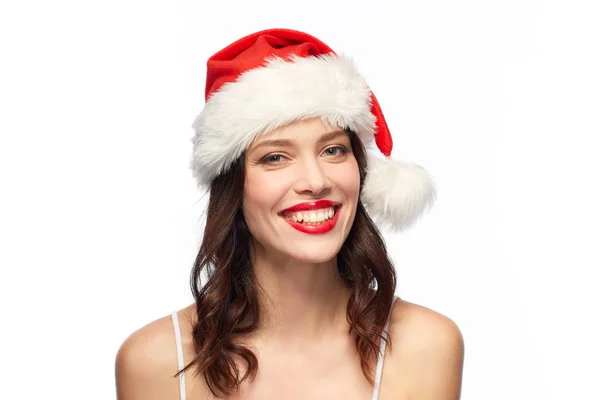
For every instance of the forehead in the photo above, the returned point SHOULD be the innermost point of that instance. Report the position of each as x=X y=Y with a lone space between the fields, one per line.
x=309 y=131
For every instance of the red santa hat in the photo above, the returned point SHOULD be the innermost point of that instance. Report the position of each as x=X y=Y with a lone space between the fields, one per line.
x=274 y=77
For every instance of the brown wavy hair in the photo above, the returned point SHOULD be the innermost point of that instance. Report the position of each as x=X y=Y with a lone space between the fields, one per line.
x=227 y=304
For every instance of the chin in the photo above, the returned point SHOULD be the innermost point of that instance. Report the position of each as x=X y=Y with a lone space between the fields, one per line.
x=313 y=253
x=313 y=249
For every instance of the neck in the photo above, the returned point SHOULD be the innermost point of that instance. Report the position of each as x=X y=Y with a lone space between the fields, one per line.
x=300 y=301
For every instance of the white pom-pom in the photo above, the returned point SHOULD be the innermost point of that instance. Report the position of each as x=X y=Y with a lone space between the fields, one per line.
x=395 y=193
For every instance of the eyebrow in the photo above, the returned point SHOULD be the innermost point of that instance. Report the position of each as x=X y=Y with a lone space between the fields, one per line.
x=289 y=143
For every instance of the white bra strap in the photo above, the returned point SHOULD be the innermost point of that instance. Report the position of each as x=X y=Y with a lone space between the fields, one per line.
x=182 y=394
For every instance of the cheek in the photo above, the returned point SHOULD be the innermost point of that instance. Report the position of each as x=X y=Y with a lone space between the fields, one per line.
x=261 y=194
x=348 y=181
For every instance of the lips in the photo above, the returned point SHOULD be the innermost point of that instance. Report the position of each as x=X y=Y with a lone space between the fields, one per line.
x=312 y=205
x=311 y=227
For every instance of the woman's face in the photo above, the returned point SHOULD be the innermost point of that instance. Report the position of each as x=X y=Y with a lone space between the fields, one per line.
x=301 y=190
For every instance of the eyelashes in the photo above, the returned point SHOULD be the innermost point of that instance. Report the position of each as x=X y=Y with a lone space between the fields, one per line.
x=275 y=158
x=342 y=149
x=270 y=159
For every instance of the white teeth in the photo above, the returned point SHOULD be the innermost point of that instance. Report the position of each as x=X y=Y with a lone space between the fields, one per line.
x=309 y=217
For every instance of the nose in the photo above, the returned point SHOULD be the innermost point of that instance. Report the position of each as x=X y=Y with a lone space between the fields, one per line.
x=311 y=178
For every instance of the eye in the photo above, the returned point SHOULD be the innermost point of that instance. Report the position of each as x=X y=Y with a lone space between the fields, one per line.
x=336 y=151
x=272 y=159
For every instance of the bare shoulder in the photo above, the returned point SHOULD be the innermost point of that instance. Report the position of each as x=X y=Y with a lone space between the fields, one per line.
x=423 y=328
x=146 y=362
x=427 y=355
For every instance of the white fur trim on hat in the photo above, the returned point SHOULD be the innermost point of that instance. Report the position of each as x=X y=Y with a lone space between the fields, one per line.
x=265 y=98
x=395 y=193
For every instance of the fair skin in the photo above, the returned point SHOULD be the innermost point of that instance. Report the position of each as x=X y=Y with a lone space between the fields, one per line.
x=303 y=162
x=303 y=345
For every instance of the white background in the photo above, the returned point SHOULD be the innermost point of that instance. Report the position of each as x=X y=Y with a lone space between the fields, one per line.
x=100 y=217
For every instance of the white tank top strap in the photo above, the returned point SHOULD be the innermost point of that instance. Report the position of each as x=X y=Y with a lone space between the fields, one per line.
x=179 y=345
x=382 y=344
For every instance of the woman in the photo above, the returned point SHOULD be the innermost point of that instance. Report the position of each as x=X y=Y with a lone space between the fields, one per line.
x=299 y=301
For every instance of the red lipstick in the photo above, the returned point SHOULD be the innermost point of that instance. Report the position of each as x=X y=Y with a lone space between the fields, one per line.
x=312 y=205
x=323 y=227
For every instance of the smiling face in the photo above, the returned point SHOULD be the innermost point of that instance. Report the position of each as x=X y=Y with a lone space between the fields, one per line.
x=301 y=191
